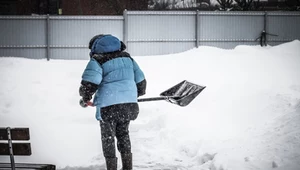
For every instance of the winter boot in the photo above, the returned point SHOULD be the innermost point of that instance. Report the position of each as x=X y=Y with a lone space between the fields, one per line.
x=111 y=163
x=127 y=161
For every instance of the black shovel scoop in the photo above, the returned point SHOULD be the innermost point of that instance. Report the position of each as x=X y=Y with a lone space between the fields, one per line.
x=181 y=94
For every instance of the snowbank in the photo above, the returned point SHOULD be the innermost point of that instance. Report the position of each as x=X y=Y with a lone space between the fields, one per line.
x=248 y=117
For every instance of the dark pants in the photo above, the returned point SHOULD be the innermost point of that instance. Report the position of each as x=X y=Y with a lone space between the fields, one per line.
x=115 y=123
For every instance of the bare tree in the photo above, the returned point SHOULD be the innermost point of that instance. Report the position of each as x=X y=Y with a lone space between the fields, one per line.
x=203 y=3
x=80 y=12
x=244 y=5
x=247 y=5
x=225 y=5
x=292 y=5
x=116 y=6
x=160 y=5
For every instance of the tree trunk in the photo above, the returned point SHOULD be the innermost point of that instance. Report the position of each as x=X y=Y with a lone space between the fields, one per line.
x=79 y=7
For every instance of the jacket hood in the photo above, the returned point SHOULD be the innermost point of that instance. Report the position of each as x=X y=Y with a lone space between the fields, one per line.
x=106 y=44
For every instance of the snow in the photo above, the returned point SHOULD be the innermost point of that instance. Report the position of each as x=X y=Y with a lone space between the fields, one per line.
x=248 y=117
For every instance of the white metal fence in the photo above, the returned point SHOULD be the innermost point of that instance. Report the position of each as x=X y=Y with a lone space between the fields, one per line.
x=144 y=32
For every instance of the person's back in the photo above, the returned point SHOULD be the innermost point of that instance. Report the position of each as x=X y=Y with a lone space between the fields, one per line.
x=117 y=81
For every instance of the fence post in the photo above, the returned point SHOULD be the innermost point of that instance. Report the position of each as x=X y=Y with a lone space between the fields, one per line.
x=11 y=153
x=48 y=37
x=265 y=27
x=125 y=29
x=197 y=26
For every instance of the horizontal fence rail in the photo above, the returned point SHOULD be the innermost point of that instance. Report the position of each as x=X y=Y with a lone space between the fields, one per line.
x=143 y=32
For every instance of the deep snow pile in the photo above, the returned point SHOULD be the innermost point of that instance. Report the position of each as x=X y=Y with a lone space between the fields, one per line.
x=248 y=117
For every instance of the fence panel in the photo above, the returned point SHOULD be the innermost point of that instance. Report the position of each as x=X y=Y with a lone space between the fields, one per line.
x=285 y=25
x=23 y=36
x=70 y=35
x=153 y=33
x=144 y=32
x=228 y=29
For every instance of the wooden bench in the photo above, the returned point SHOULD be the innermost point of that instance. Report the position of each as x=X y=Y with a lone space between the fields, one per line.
x=21 y=148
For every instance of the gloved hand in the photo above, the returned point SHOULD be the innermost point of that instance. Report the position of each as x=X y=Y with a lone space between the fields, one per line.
x=141 y=87
x=82 y=103
x=85 y=93
x=85 y=104
x=86 y=90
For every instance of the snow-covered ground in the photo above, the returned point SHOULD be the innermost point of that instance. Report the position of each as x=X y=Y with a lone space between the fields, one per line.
x=248 y=117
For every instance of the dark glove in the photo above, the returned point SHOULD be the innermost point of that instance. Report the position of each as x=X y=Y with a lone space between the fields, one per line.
x=141 y=87
x=85 y=93
x=86 y=90
x=82 y=103
x=85 y=104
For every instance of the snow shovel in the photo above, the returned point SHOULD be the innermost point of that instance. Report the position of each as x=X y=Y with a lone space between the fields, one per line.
x=181 y=94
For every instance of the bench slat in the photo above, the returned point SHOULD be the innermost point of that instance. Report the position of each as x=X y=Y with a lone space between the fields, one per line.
x=18 y=149
x=16 y=134
x=28 y=166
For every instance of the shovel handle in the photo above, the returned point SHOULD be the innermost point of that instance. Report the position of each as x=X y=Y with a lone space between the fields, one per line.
x=89 y=103
x=158 y=98
x=152 y=99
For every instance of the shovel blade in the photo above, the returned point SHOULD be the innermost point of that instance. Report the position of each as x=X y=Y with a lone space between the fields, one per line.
x=183 y=93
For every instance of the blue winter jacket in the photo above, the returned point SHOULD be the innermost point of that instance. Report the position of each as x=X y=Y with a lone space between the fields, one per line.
x=116 y=75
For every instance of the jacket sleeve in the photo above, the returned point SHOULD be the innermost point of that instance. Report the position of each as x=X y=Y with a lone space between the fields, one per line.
x=91 y=78
x=92 y=72
x=139 y=78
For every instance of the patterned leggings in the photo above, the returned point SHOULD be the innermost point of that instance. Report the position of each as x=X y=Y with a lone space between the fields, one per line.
x=110 y=130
